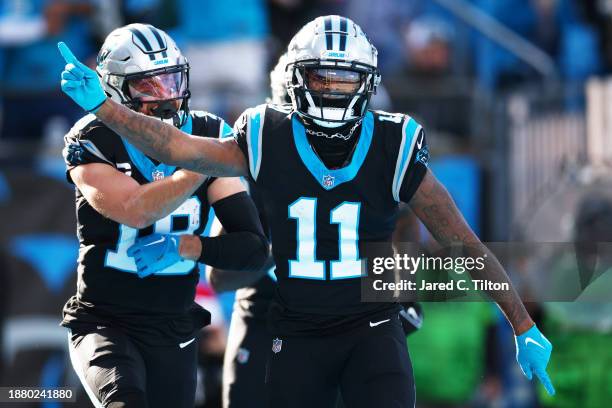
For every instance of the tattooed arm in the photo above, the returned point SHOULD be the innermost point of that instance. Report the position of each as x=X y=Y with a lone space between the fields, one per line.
x=166 y=143
x=436 y=209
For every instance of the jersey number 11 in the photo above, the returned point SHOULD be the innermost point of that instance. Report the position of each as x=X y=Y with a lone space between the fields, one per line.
x=306 y=266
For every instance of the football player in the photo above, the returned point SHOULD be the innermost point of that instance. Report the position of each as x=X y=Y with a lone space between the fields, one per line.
x=331 y=173
x=248 y=337
x=249 y=340
x=133 y=320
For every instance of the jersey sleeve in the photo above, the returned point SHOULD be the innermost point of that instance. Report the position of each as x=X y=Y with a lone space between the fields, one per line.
x=240 y=133
x=248 y=134
x=208 y=125
x=225 y=130
x=93 y=144
x=411 y=161
x=417 y=168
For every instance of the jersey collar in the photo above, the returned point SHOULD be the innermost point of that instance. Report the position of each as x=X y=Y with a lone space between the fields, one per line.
x=145 y=165
x=327 y=178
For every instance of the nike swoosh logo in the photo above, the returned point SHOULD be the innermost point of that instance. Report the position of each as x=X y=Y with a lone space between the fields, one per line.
x=185 y=344
x=530 y=340
x=377 y=323
x=420 y=140
x=156 y=242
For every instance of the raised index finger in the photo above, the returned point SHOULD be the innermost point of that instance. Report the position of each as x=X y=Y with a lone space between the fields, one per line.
x=545 y=379
x=66 y=53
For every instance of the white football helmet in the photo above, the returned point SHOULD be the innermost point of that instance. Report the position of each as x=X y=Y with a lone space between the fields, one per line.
x=140 y=64
x=332 y=71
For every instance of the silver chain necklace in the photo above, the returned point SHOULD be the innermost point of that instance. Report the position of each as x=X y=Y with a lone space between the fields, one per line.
x=335 y=135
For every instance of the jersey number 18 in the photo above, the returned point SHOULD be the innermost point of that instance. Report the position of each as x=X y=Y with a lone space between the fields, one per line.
x=118 y=259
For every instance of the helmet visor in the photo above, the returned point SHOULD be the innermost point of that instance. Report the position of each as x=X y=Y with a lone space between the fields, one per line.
x=333 y=82
x=159 y=87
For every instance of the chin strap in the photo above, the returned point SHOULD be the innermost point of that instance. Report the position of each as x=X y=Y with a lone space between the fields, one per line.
x=337 y=135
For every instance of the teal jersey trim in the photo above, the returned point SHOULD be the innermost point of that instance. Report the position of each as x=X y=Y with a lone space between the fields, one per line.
x=327 y=178
x=410 y=131
x=188 y=126
x=226 y=130
x=211 y=218
x=254 y=134
x=145 y=165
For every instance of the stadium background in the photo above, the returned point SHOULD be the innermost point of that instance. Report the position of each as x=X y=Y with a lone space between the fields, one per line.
x=513 y=94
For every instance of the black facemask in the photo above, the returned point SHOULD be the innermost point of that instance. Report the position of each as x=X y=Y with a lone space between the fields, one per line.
x=165 y=109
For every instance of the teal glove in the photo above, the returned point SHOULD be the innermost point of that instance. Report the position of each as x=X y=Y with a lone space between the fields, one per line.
x=154 y=253
x=80 y=82
x=532 y=353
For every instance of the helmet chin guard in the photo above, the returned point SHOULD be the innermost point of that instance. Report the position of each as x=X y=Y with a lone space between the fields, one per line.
x=334 y=114
x=331 y=71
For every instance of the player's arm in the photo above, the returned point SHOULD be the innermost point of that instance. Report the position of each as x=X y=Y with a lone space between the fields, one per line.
x=244 y=247
x=415 y=184
x=159 y=140
x=225 y=280
x=120 y=198
x=436 y=209
x=168 y=144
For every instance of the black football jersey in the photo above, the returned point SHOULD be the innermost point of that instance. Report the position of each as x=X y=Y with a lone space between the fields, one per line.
x=108 y=288
x=321 y=219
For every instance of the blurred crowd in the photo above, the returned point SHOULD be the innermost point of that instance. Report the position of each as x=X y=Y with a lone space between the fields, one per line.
x=232 y=45
x=433 y=54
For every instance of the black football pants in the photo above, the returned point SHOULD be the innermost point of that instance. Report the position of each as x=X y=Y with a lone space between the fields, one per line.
x=368 y=367
x=117 y=372
x=244 y=365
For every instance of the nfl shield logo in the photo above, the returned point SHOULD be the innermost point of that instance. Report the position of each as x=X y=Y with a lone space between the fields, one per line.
x=157 y=175
x=328 y=181
x=243 y=355
x=277 y=344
